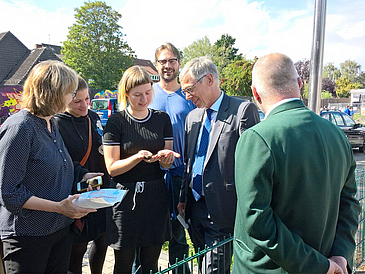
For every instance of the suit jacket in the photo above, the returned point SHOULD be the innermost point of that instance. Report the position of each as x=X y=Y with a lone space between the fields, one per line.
x=296 y=194
x=234 y=116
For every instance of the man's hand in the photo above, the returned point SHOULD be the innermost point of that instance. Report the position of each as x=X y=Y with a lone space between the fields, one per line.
x=341 y=261
x=181 y=207
x=334 y=268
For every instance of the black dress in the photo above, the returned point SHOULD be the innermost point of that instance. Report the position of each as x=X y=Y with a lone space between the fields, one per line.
x=142 y=218
x=75 y=134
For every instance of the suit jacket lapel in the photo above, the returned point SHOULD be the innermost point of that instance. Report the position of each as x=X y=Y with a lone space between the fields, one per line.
x=194 y=133
x=222 y=118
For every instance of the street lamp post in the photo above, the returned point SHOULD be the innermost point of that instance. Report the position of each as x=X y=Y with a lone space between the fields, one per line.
x=315 y=80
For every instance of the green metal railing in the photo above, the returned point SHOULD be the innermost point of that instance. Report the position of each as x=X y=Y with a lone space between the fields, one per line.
x=195 y=260
x=359 y=256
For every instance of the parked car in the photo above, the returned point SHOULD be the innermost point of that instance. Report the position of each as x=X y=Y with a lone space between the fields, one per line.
x=355 y=133
x=104 y=107
x=262 y=115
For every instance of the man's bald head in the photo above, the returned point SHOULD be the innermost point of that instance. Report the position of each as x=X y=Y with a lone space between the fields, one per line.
x=274 y=75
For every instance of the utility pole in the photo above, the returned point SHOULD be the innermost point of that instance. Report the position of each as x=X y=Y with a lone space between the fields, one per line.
x=315 y=80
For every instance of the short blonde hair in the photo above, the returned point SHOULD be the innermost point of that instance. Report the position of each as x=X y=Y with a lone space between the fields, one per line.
x=46 y=87
x=132 y=77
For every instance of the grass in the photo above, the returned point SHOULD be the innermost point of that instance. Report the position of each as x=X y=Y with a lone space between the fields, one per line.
x=165 y=246
x=359 y=118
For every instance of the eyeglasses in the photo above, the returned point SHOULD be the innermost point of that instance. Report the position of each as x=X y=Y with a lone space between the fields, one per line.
x=74 y=94
x=189 y=90
x=172 y=61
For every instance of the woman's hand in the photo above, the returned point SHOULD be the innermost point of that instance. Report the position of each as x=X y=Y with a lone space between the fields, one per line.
x=147 y=156
x=167 y=157
x=69 y=209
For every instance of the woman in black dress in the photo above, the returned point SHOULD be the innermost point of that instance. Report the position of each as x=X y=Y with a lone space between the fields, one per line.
x=137 y=147
x=75 y=126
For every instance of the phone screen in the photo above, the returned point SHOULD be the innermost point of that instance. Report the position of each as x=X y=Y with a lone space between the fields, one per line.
x=82 y=186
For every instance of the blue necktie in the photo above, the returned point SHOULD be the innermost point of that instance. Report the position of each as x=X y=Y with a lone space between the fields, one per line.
x=200 y=157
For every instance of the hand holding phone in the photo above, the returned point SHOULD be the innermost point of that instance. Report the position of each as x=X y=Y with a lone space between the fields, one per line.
x=93 y=182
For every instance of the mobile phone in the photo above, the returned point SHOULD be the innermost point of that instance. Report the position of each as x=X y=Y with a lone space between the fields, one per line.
x=94 y=182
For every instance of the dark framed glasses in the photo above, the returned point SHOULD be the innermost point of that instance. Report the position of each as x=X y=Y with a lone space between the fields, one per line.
x=189 y=90
x=171 y=61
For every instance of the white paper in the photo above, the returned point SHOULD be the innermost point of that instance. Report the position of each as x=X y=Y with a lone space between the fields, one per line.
x=100 y=198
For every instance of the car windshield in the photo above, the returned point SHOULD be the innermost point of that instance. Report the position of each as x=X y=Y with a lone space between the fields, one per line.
x=349 y=122
x=262 y=115
x=99 y=105
x=338 y=119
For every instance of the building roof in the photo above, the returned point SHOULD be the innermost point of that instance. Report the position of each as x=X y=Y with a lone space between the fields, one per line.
x=147 y=65
x=36 y=55
x=12 y=54
x=16 y=60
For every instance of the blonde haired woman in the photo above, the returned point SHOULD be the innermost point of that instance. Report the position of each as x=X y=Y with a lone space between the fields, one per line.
x=36 y=176
x=137 y=144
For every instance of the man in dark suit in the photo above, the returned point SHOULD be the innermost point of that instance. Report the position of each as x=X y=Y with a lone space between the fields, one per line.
x=296 y=205
x=211 y=133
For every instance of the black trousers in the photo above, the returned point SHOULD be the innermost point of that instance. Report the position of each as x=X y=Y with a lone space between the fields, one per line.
x=148 y=257
x=41 y=254
x=203 y=232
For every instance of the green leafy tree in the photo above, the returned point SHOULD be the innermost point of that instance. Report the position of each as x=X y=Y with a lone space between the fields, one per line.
x=331 y=72
x=226 y=43
x=236 y=78
x=361 y=79
x=95 y=47
x=326 y=94
x=305 y=91
x=200 y=47
x=222 y=52
x=303 y=69
x=343 y=87
x=221 y=58
x=329 y=85
x=350 y=69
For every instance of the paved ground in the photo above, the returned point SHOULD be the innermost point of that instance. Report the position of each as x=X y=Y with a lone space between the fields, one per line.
x=109 y=262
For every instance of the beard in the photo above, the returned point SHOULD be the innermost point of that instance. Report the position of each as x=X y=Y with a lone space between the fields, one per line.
x=169 y=78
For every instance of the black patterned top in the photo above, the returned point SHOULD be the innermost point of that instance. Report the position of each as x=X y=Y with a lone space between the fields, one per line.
x=33 y=162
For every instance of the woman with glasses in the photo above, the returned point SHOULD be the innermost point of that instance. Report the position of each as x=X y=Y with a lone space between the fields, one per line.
x=37 y=175
x=82 y=132
x=137 y=146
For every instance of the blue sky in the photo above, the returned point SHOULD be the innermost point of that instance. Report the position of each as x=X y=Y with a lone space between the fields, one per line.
x=260 y=27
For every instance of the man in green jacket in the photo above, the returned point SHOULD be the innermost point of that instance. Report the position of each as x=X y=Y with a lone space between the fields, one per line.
x=295 y=182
